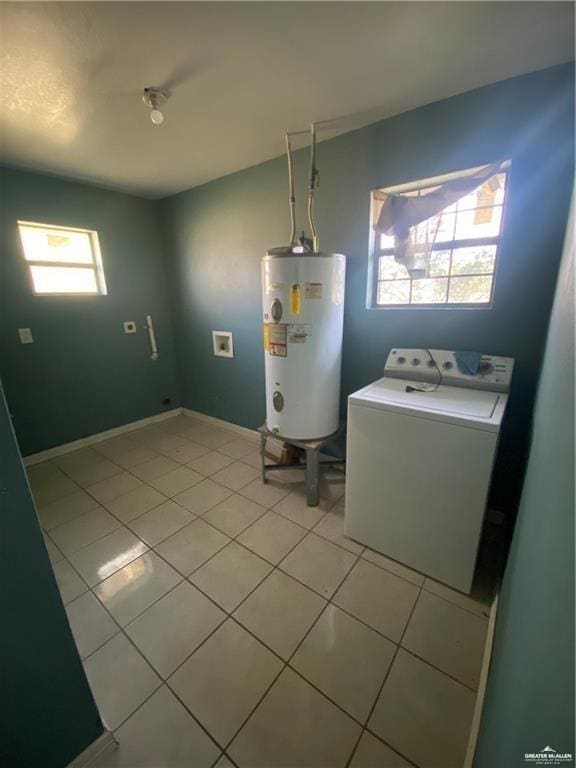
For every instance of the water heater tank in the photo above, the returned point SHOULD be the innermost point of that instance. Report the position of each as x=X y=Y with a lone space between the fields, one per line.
x=303 y=313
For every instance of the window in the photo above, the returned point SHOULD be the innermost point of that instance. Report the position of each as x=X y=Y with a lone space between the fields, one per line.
x=62 y=260
x=463 y=242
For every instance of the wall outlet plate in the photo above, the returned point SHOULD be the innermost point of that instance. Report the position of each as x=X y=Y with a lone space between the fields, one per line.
x=130 y=326
x=223 y=343
x=25 y=336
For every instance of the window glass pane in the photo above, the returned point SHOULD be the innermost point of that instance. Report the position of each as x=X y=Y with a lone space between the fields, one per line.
x=386 y=241
x=501 y=180
x=489 y=194
x=48 y=244
x=438 y=229
x=389 y=269
x=429 y=291
x=454 y=275
x=475 y=260
x=470 y=290
x=439 y=263
x=483 y=222
x=441 y=228
x=394 y=292
x=469 y=201
x=64 y=280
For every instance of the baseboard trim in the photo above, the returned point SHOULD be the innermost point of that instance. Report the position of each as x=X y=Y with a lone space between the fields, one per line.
x=481 y=694
x=249 y=434
x=59 y=450
x=95 y=751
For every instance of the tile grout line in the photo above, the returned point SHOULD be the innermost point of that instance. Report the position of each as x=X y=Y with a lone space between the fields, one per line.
x=121 y=631
x=229 y=615
x=138 y=444
x=163 y=681
x=275 y=566
x=152 y=548
x=480 y=615
x=233 y=491
x=284 y=661
x=373 y=707
x=183 y=579
x=309 y=530
x=125 y=523
x=285 y=664
x=122 y=523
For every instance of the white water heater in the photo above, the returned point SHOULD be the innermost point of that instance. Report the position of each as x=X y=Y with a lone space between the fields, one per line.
x=303 y=312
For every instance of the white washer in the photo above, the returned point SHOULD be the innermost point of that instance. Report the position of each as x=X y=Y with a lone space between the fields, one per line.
x=419 y=463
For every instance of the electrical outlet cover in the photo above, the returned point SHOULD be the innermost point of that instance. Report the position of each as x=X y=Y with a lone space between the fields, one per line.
x=25 y=336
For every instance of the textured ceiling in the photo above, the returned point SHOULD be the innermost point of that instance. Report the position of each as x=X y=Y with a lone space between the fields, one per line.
x=240 y=74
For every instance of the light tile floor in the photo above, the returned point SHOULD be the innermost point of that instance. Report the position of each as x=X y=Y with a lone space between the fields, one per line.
x=223 y=622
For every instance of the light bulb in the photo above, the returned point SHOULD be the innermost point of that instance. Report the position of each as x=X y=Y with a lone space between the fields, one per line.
x=157 y=117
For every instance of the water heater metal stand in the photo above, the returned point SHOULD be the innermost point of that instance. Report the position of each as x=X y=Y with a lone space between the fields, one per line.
x=313 y=461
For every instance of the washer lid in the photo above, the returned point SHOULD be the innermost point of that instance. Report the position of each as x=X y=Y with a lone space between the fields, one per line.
x=447 y=403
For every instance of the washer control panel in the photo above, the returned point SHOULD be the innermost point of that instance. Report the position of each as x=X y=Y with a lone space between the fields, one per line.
x=457 y=369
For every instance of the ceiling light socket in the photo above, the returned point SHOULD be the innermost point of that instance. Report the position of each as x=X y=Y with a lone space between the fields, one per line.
x=155 y=98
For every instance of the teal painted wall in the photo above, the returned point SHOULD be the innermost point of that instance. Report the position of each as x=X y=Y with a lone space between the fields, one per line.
x=83 y=375
x=218 y=233
x=530 y=695
x=47 y=712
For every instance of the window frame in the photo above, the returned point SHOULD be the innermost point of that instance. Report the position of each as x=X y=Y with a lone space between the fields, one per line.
x=377 y=253
x=95 y=265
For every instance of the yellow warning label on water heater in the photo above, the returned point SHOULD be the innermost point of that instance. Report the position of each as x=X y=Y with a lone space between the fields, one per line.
x=275 y=339
x=295 y=299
